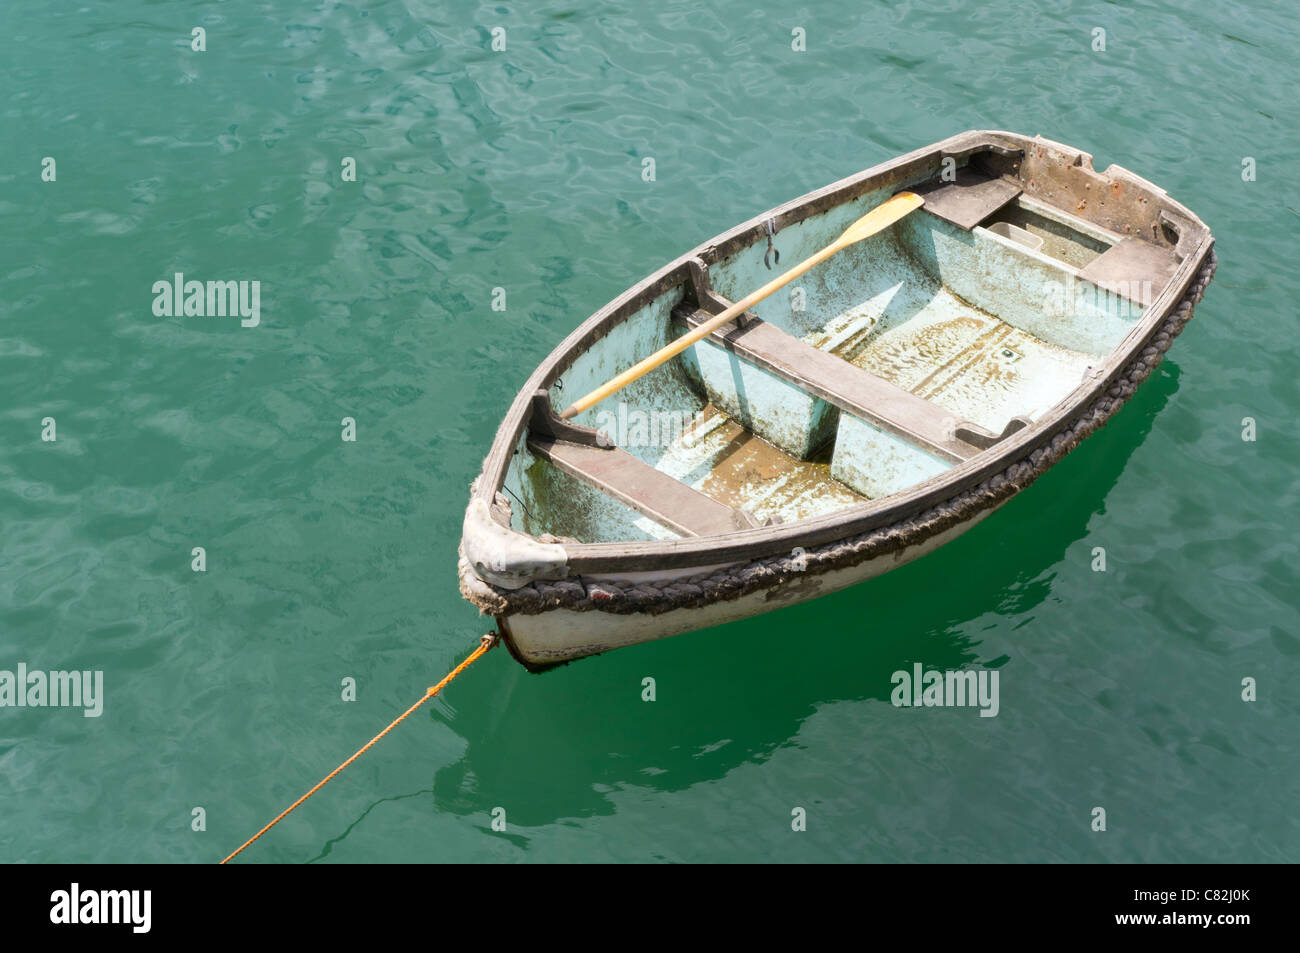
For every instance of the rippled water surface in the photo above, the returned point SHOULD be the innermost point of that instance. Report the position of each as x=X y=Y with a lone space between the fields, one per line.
x=522 y=169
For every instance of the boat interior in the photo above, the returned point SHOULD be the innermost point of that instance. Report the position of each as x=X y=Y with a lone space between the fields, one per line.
x=885 y=366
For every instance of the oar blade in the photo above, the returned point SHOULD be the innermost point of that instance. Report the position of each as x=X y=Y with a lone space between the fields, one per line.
x=881 y=217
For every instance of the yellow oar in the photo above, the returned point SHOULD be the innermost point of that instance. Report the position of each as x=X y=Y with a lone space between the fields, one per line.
x=879 y=218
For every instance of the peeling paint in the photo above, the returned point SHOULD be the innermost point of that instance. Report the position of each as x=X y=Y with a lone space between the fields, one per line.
x=877 y=463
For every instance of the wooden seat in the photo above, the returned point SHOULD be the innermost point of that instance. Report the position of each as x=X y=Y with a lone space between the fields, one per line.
x=640 y=486
x=850 y=388
x=968 y=199
x=1132 y=269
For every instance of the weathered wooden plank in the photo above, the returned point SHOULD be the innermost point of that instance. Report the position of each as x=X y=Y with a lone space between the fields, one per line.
x=650 y=492
x=835 y=380
x=1132 y=269
x=969 y=199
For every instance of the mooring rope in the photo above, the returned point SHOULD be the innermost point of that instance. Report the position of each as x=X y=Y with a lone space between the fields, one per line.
x=485 y=645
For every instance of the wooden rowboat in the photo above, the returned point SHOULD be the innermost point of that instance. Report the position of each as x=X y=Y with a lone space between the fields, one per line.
x=875 y=408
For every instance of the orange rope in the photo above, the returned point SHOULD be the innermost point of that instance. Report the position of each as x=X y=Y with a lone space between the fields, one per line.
x=484 y=647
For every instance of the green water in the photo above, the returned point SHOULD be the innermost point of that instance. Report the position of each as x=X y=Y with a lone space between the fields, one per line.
x=521 y=169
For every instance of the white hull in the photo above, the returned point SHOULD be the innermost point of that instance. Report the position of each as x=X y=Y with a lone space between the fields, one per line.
x=562 y=635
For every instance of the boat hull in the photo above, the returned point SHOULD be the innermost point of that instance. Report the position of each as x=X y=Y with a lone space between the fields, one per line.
x=562 y=635
x=616 y=548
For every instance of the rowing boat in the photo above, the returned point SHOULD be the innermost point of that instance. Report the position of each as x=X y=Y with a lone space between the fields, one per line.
x=893 y=394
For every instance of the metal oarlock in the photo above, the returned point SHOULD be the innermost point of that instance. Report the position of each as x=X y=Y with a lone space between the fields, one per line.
x=775 y=256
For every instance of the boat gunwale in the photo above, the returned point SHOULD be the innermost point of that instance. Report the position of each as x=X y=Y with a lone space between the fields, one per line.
x=749 y=544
